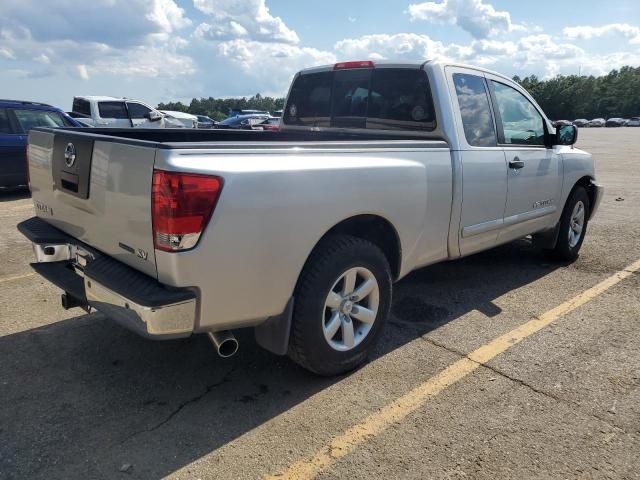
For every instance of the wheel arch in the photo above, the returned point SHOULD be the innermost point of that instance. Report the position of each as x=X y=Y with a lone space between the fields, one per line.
x=274 y=333
x=375 y=229
x=586 y=182
x=548 y=239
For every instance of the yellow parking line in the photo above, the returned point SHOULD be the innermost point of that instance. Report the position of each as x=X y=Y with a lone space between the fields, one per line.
x=11 y=278
x=396 y=411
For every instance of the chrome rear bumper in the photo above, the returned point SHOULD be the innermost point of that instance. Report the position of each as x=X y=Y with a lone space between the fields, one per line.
x=173 y=320
x=97 y=281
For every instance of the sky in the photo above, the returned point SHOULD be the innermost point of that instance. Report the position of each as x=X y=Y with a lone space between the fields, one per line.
x=174 y=50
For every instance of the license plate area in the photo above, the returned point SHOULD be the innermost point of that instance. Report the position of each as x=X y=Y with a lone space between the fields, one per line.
x=71 y=164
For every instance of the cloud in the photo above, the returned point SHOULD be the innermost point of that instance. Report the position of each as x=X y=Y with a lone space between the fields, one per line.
x=82 y=72
x=126 y=37
x=114 y=22
x=248 y=19
x=6 y=54
x=167 y=15
x=408 y=46
x=586 y=32
x=541 y=54
x=42 y=58
x=272 y=64
x=479 y=19
x=416 y=47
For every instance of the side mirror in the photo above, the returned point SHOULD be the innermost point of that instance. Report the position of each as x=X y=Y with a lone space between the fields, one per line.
x=153 y=116
x=566 y=134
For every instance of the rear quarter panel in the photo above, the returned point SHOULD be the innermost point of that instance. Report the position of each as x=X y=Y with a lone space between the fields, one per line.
x=276 y=206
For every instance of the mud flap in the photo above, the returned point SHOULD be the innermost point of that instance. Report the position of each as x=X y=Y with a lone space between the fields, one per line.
x=273 y=333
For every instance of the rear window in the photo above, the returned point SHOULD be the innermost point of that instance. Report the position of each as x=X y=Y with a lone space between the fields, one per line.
x=381 y=99
x=29 y=119
x=112 y=110
x=81 y=106
x=310 y=100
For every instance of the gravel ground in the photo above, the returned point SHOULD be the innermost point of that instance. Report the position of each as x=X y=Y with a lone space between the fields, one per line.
x=81 y=397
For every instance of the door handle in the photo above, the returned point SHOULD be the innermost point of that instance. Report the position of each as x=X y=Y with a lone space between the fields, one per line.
x=516 y=164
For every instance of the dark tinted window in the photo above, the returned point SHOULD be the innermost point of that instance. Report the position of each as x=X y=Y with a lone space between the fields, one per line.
x=477 y=119
x=385 y=99
x=5 y=125
x=350 y=97
x=310 y=100
x=137 y=110
x=81 y=106
x=29 y=119
x=521 y=123
x=400 y=100
x=112 y=110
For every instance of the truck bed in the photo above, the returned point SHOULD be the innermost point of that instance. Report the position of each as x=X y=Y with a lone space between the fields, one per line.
x=194 y=138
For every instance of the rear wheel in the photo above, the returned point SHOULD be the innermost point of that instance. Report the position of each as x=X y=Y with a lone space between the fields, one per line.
x=573 y=226
x=341 y=304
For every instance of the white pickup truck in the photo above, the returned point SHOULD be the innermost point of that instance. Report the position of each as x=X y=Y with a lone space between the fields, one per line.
x=114 y=112
x=379 y=169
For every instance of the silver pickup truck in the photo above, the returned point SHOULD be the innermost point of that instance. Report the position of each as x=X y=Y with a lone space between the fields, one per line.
x=378 y=169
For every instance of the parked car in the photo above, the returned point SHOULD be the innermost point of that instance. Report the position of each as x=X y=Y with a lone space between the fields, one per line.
x=116 y=112
x=271 y=124
x=243 y=122
x=16 y=119
x=236 y=113
x=616 y=122
x=559 y=123
x=277 y=113
x=597 y=123
x=581 y=122
x=299 y=234
x=634 y=122
x=185 y=119
x=205 y=122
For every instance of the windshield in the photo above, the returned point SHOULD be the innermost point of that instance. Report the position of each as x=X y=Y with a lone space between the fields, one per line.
x=29 y=119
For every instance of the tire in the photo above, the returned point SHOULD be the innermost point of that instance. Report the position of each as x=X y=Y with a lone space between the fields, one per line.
x=318 y=308
x=568 y=245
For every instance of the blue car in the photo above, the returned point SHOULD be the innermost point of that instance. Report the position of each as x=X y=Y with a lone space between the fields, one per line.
x=16 y=119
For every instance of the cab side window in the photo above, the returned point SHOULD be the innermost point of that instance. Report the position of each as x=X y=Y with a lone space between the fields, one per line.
x=475 y=110
x=520 y=121
x=112 y=110
x=137 y=111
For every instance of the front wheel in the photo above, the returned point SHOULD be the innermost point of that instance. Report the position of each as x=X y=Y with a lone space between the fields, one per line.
x=341 y=304
x=573 y=226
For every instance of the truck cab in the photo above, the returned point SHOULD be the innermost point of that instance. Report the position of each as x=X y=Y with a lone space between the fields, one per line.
x=113 y=112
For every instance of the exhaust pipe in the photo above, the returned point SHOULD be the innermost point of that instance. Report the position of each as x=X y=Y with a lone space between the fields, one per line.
x=225 y=343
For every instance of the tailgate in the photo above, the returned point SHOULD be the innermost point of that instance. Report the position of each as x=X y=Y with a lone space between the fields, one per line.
x=96 y=189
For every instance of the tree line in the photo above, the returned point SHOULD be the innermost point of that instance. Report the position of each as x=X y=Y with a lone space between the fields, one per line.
x=616 y=94
x=219 y=108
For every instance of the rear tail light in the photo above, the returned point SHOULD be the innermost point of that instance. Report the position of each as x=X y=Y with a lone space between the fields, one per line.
x=349 y=65
x=182 y=204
